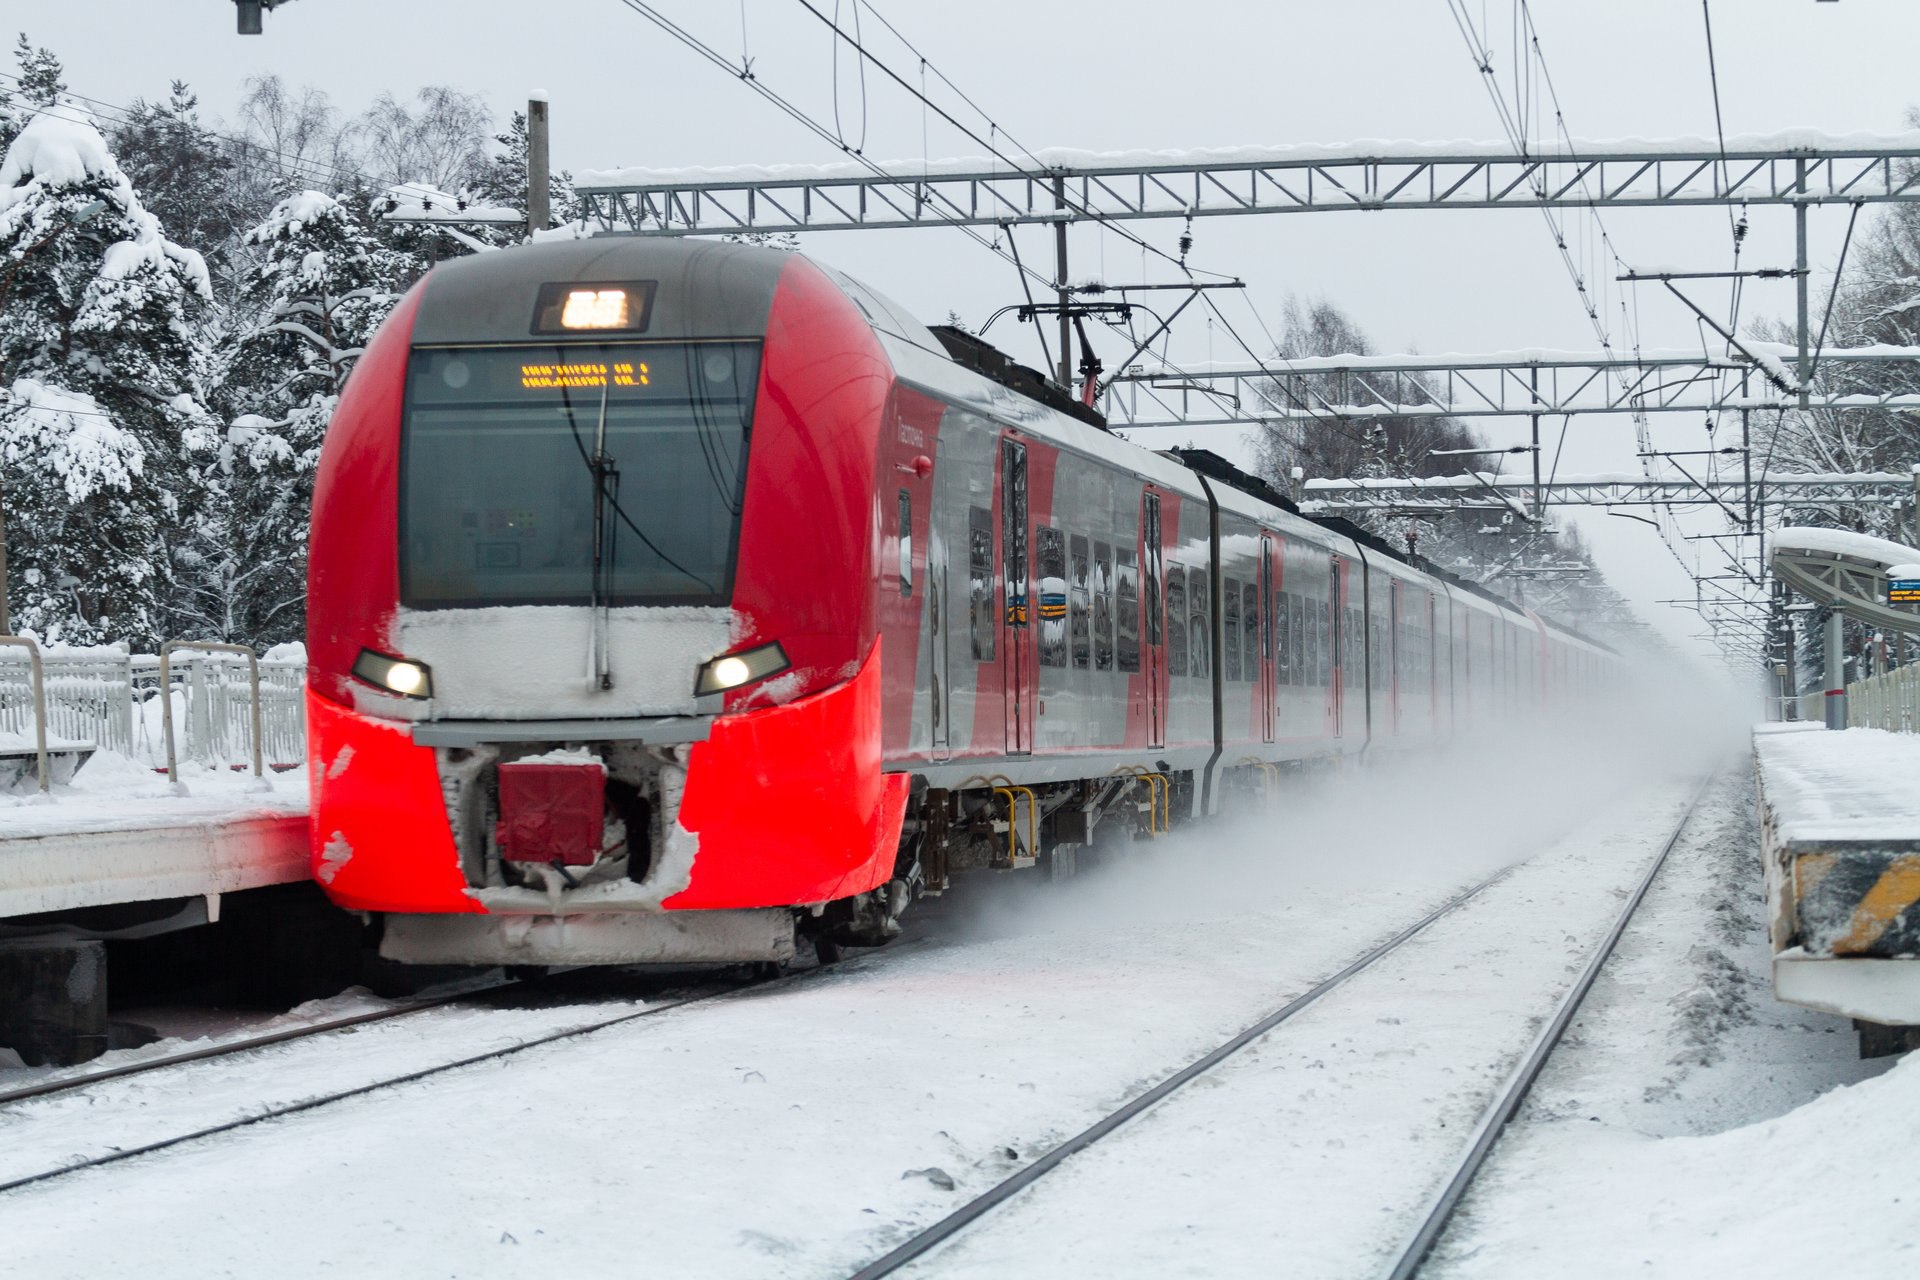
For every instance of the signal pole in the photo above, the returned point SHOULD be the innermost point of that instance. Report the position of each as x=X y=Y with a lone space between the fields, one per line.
x=1060 y=281
x=539 y=206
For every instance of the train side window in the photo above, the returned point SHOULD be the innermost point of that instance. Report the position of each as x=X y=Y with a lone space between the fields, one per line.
x=1176 y=620
x=1323 y=630
x=1283 y=638
x=1126 y=578
x=1250 y=632
x=1302 y=642
x=1102 y=607
x=1313 y=642
x=1078 y=602
x=1200 y=652
x=1230 y=619
x=984 y=615
x=1051 y=546
x=906 y=543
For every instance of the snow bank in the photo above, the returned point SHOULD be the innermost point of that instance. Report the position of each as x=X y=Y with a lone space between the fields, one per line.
x=1857 y=784
x=1841 y=542
x=1824 y=1190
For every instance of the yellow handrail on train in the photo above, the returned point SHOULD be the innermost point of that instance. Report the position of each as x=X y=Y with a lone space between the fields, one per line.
x=1159 y=798
x=1013 y=819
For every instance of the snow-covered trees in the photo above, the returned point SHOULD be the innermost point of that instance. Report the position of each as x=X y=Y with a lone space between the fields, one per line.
x=161 y=409
x=1379 y=447
x=96 y=310
x=325 y=280
x=440 y=140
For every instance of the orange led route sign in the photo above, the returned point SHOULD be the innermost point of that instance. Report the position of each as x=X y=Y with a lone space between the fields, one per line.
x=548 y=377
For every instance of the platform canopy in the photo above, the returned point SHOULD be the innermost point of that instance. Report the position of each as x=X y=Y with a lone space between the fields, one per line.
x=1847 y=571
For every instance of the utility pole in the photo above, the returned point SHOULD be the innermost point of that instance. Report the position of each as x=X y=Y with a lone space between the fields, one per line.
x=1746 y=466
x=1539 y=498
x=1060 y=279
x=539 y=206
x=6 y=622
x=1836 y=691
x=1805 y=367
x=1916 y=504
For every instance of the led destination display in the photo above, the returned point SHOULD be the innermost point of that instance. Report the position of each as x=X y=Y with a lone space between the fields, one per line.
x=546 y=377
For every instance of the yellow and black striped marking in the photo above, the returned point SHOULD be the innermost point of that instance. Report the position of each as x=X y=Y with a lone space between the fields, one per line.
x=1858 y=901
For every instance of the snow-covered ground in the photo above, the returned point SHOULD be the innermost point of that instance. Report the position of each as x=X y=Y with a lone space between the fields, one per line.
x=802 y=1129
x=115 y=792
x=1691 y=1125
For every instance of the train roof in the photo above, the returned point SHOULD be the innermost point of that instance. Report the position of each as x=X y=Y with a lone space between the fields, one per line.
x=704 y=287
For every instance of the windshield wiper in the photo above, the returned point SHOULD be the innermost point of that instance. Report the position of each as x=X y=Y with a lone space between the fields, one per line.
x=605 y=474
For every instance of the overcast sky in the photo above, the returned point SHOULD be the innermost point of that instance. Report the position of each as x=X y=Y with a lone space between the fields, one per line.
x=1124 y=74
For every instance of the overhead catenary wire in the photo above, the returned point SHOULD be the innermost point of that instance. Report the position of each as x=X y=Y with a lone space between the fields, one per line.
x=1036 y=172
x=787 y=107
x=1720 y=133
x=123 y=115
x=1482 y=56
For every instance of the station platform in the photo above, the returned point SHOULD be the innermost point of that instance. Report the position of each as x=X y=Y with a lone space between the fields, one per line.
x=118 y=834
x=1840 y=838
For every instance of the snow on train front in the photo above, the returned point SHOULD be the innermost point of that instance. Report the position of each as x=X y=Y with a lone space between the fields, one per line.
x=595 y=676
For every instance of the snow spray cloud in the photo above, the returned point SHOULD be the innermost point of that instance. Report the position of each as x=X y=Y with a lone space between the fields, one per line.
x=1416 y=821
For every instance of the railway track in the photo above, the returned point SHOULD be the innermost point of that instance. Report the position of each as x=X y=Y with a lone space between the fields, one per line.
x=272 y=1112
x=245 y=1044
x=1493 y=1120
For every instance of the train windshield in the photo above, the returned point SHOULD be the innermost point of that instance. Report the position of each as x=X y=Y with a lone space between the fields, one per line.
x=505 y=447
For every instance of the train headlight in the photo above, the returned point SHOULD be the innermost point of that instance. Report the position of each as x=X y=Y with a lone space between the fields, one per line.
x=396 y=675
x=730 y=671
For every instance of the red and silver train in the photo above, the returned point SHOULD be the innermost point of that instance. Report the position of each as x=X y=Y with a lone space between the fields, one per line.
x=672 y=600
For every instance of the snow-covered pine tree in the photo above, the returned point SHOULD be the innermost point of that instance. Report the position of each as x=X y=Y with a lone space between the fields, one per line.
x=327 y=279
x=41 y=82
x=39 y=85
x=180 y=168
x=13 y=115
x=95 y=366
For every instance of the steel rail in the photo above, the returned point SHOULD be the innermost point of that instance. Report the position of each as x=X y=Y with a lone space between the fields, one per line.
x=925 y=1241
x=65 y=1084
x=389 y=1082
x=1413 y=1254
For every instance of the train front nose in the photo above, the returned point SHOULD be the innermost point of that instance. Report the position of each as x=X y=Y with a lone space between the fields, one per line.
x=588 y=727
x=569 y=522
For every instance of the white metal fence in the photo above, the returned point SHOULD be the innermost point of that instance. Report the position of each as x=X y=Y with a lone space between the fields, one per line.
x=1890 y=700
x=111 y=699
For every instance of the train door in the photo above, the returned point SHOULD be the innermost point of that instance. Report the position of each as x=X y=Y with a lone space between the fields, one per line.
x=1017 y=657
x=939 y=622
x=1154 y=636
x=1264 y=672
x=1396 y=621
x=1336 y=660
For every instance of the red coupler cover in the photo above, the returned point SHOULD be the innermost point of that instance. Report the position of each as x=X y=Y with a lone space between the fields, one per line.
x=551 y=812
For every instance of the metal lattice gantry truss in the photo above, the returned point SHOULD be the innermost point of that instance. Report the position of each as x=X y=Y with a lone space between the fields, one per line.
x=1799 y=167
x=1506 y=384
x=1517 y=494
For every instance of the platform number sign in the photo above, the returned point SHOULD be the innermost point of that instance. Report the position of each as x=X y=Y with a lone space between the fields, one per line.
x=1903 y=591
